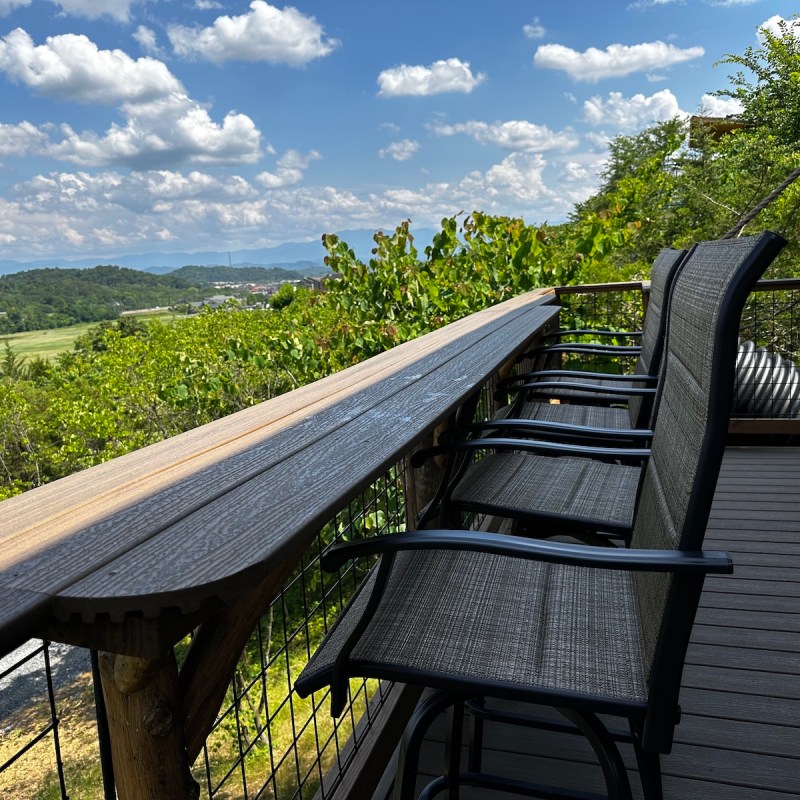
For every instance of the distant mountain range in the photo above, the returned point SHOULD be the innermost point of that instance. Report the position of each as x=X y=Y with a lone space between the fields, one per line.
x=298 y=256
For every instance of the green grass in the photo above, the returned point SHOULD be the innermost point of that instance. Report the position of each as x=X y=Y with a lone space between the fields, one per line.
x=45 y=344
x=49 y=343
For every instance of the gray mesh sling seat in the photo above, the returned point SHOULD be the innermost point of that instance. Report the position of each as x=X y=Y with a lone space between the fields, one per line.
x=471 y=614
x=549 y=488
x=591 y=392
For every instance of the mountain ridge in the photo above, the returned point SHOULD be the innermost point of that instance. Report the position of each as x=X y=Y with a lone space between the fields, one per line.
x=287 y=256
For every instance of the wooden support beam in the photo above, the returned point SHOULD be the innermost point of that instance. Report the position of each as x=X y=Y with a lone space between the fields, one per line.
x=214 y=651
x=144 y=717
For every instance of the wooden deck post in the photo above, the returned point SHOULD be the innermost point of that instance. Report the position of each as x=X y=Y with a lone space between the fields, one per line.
x=422 y=482
x=146 y=724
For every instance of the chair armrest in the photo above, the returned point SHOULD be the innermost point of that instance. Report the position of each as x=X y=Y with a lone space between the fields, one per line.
x=555 y=386
x=579 y=373
x=591 y=332
x=690 y=562
x=587 y=349
x=535 y=426
x=628 y=454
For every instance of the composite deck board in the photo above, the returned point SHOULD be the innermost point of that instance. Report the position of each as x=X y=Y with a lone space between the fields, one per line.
x=222 y=505
x=739 y=738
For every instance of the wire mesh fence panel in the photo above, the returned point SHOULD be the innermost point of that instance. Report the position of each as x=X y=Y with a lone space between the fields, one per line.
x=267 y=742
x=767 y=375
x=618 y=310
x=48 y=746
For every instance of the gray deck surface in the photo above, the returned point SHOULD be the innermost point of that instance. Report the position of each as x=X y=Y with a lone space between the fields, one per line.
x=739 y=738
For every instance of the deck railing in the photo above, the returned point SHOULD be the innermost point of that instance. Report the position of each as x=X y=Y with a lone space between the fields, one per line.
x=264 y=743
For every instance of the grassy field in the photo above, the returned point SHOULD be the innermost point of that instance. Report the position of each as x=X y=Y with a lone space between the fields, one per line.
x=49 y=343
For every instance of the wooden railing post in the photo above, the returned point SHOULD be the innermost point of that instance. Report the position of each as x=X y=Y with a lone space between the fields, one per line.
x=146 y=725
x=422 y=482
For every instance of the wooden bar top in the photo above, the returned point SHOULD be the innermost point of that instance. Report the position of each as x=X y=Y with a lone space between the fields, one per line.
x=194 y=519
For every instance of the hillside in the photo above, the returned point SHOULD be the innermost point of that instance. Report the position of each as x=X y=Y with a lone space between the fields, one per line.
x=205 y=275
x=53 y=298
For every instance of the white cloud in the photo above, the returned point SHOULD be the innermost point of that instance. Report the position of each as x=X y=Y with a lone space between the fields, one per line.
x=146 y=38
x=639 y=5
x=206 y=5
x=162 y=127
x=21 y=140
x=514 y=135
x=402 y=150
x=629 y=113
x=7 y=6
x=572 y=170
x=71 y=67
x=112 y=213
x=171 y=130
x=615 y=61
x=719 y=106
x=534 y=30
x=514 y=183
x=773 y=25
x=103 y=214
x=598 y=139
x=291 y=167
x=94 y=9
x=450 y=75
x=266 y=33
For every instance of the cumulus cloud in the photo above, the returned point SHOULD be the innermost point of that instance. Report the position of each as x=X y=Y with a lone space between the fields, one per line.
x=170 y=130
x=449 y=75
x=111 y=212
x=515 y=186
x=107 y=213
x=266 y=33
x=163 y=126
x=72 y=67
x=534 y=30
x=21 y=140
x=119 y=10
x=629 y=113
x=776 y=24
x=599 y=140
x=616 y=60
x=401 y=150
x=514 y=135
x=291 y=168
x=146 y=38
x=7 y=6
x=720 y=106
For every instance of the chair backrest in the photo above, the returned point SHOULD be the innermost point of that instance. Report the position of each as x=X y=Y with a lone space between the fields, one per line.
x=662 y=278
x=679 y=480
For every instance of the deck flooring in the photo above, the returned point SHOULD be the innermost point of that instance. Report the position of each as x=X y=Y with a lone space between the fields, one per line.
x=739 y=738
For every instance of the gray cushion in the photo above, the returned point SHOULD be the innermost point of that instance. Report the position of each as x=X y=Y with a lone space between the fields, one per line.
x=572 y=414
x=518 y=483
x=528 y=624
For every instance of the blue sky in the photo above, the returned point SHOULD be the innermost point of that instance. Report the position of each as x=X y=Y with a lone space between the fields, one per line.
x=129 y=126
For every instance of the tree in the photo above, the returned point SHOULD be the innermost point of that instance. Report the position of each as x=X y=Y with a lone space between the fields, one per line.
x=770 y=89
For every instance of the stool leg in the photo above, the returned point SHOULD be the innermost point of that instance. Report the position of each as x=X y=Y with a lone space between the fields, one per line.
x=413 y=736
